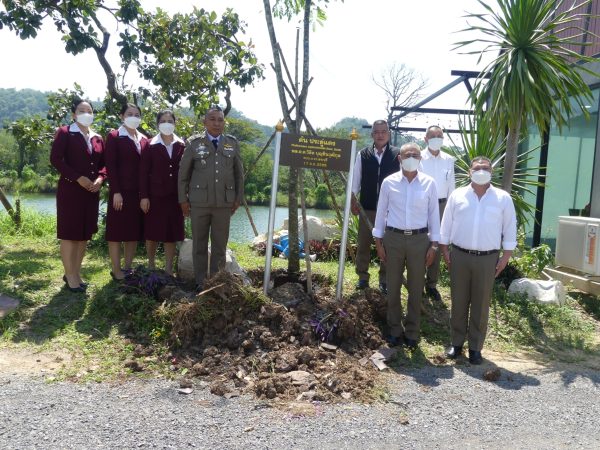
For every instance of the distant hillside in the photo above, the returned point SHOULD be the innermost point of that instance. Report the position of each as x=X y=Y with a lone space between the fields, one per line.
x=19 y=103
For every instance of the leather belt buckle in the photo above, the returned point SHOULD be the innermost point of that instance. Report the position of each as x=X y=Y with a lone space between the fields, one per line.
x=407 y=232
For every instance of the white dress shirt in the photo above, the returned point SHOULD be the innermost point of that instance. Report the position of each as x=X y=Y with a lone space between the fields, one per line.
x=356 y=178
x=136 y=139
x=408 y=205
x=489 y=223
x=74 y=128
x=159 y=140
x=441 y=169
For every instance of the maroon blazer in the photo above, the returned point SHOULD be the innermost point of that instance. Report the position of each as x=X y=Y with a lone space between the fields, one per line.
x=123 y=162
x=69 y=155
x=158 y=172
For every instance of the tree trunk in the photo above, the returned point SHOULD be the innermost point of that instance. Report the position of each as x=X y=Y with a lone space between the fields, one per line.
x=7 y=205
x=510 y=160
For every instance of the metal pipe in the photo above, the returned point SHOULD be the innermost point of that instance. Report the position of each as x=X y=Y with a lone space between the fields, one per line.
x=342 y=263
x=273 y=205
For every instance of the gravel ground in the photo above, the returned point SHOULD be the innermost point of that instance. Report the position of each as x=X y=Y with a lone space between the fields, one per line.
x=433 y=407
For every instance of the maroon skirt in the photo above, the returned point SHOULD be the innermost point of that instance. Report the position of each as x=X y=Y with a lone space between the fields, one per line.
x=164 y=220
x=125 y=225
x=76 y=212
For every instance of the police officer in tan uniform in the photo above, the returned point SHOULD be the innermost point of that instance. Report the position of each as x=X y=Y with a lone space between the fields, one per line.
x=211 y=186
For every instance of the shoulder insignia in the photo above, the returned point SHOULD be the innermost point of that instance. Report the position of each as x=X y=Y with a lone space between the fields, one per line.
x=231 y=137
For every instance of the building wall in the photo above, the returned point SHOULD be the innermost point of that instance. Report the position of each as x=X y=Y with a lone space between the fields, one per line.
x=570 y=168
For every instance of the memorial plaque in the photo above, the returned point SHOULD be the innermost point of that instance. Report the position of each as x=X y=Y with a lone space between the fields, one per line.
x=315 y=152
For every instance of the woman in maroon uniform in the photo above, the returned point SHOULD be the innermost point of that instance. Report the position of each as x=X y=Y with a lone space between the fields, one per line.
x=158 y=189
x=78 y=155
x=124 y=218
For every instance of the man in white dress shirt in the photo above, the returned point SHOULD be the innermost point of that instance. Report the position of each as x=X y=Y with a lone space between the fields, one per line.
x=373 y=164
x=406 y=233
x=478 y=221
x=440 y=166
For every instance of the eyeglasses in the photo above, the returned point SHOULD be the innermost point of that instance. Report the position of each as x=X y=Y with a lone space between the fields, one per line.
x=411 y=155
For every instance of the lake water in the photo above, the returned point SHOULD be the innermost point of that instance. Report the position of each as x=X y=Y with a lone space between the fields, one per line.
x=241 y=230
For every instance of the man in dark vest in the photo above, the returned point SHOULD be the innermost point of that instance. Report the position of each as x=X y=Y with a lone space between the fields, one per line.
x=373 y=164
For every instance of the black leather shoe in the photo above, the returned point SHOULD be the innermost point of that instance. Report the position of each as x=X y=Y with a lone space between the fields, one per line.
x=410 y=343
x=475 y=357
x=393 y=341
x=383 y=287
x=454 y=352
x=362 y=284
x=434 y=294
x=75 y=289
x=81 y=285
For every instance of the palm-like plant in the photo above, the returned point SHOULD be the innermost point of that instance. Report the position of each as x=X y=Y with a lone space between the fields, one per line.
x=477 y=139
x=532 y=72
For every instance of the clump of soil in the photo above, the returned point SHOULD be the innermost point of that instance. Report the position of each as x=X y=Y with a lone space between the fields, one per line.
x=289 y=346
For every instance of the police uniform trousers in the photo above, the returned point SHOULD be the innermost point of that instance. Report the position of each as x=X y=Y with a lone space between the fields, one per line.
x=213 y=222
x=405 y=251
x=363 y=252
x=471 y=286
x=433 y=271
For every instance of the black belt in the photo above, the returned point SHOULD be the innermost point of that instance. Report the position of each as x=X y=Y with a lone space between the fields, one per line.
x=442 y=200
x=408 y=232
x=475 y=252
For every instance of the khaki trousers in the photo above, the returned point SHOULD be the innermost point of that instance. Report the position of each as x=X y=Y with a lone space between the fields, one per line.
x=213 y=221
x=471 y=286
x=405 y=251
x=363 y=252
x=433 y=271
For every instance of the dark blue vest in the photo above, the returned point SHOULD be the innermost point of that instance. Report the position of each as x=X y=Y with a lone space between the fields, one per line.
x=372 y=173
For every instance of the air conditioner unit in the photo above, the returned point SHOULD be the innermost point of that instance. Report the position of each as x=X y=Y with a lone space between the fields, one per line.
x=578 y=244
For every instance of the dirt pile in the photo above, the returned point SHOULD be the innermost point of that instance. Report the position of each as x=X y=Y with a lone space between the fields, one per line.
x=289 y=346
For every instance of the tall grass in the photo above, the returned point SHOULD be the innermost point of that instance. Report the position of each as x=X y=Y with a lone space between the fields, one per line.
x=33 y=224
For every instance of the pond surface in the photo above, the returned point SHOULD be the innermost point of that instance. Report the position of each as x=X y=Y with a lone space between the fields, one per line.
x=241 y=230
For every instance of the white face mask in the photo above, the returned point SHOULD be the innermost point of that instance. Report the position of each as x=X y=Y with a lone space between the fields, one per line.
x=85 y=119
x=435 y=143
x=410 y=164
x=481 y=177
x=132 y=122
x=166 y=128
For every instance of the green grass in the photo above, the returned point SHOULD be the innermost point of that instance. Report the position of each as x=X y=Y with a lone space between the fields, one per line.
x=101 y=330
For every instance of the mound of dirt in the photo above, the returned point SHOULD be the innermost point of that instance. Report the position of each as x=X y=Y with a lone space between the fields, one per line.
x=289 y=346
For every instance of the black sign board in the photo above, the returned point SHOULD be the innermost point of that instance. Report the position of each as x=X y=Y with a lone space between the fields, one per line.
x=315 y=152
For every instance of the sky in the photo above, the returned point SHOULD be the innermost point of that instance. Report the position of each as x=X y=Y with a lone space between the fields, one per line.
x=358 y=41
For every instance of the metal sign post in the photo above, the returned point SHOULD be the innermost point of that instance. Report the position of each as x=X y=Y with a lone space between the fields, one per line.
x=272 y=206
x=342 y=263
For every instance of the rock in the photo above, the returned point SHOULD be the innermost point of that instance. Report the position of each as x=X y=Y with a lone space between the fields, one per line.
x=185 y=383
x=301 y=378
x=317 y=229
x=232 y=266
x=286 y=363
x=219 y=388
x=326 y=346
x=185 y=263
x=548 y=292
x=186 y=391
x=492 y=375
x=7 y=304
x=289 y=295
x=133 y=365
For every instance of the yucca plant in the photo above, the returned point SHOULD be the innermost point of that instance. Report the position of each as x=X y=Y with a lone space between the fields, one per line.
x=477 y=139
x=532 y=72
